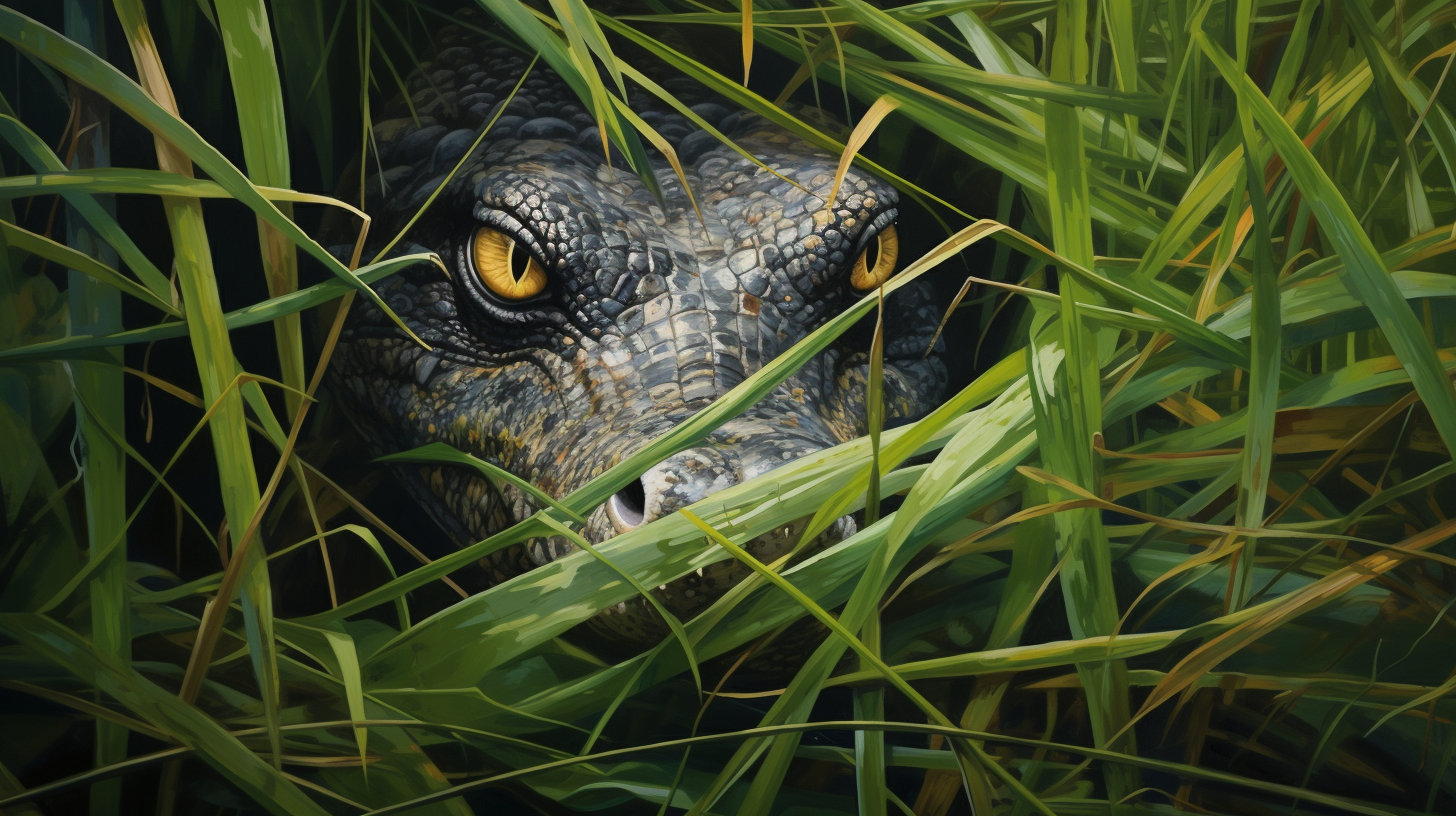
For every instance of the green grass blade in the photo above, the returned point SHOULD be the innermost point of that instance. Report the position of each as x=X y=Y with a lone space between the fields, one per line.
x=43 y=247
x=306 y=298
x=667 y=617
x=42 y=160
x=162 y=710
x=875 y=414
x=304 y=51
x=148 y=182
x=1363 y=266
x=348 y=659
x=94 y=306
x=211 y=346
x=961 y=78
x=440 y=452
x=1066 y=393
x=247 y=40
x=1121 y=31
x=80 y=65
x=1265 y=344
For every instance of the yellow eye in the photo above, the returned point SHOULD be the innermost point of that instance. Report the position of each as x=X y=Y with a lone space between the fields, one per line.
x=876 y=264
x=505 y=267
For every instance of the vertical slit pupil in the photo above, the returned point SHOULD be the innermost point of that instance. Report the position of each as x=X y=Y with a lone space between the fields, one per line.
x=520 y=260
x=872 y=255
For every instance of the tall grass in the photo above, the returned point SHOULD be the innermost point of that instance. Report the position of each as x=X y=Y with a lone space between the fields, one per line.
x=1183 y=544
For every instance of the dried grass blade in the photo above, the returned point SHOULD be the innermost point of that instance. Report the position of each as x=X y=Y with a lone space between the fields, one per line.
x=856 y=141
x=747 y=38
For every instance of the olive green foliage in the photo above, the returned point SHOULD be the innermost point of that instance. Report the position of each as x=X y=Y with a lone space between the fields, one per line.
x=1182 y=544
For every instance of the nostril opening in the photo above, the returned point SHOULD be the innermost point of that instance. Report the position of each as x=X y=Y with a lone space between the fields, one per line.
x=627 y=508
x=634 y=496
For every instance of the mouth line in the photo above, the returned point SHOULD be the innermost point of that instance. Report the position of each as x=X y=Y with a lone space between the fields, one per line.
x=691 y=593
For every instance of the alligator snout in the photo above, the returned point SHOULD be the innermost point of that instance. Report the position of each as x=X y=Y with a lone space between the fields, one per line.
x=673 y=484
x=696 y=473
x=734 y=454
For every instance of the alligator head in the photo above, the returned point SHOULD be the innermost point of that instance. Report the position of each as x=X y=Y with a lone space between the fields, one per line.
x=580 y=318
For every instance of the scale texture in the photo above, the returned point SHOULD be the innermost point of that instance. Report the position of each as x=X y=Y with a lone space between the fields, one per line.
x=648 y=314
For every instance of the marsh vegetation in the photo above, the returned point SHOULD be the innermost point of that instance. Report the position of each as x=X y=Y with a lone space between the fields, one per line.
x=1178 y=541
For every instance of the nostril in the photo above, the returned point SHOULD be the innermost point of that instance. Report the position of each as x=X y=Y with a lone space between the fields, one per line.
x=627 y=508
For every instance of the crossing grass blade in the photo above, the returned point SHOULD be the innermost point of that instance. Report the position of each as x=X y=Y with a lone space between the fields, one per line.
x=869 y=704
x=964 y=76
x=306 y=298
x=575 y=15
x=42 y=160
x=663 y=147
x=41 y=246
x=1064 y=365
x=865 y=128
x=148 y=182
x=305 y=43
x=747 y=37
x=439 y=452
x=347 y=657
x=667 y=617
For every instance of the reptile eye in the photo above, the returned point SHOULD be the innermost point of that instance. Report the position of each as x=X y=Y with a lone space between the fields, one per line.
x=876 y=264
x=505 y=267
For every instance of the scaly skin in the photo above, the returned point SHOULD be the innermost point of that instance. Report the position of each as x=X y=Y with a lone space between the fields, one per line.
x=648 y=315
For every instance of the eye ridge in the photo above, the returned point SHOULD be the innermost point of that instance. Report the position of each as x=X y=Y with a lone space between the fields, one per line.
x=497 y=265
